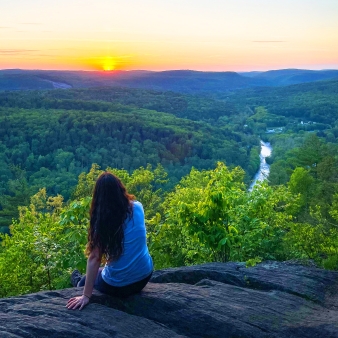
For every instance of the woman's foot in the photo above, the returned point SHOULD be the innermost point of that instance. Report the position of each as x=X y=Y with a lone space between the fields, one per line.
x=75 y=277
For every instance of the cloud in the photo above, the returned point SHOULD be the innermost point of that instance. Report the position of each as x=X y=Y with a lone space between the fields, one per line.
x=268 y=41
x=31 y=23
x=4 y=27
x=17 y=51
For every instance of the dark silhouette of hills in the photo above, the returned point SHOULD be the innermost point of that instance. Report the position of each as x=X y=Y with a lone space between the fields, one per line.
x=185 y=81
x=284 y=77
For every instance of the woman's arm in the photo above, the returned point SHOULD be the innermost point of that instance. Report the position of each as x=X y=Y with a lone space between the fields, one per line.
x=93 y=264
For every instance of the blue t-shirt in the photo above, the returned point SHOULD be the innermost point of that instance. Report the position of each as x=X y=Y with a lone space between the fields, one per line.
x=135 y=263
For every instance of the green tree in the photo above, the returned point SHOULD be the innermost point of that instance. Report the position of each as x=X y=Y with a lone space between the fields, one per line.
x=301 y=182
x=18 y=195
x=42 y=249
x=211 y=217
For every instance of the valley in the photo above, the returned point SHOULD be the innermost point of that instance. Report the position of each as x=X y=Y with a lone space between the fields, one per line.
x=189 y=145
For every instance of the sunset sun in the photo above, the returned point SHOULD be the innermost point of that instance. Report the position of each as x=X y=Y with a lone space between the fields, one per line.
x=109 y=63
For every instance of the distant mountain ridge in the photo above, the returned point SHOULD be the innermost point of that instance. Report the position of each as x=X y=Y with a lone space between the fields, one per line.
x=285 y=77
x=184 y=81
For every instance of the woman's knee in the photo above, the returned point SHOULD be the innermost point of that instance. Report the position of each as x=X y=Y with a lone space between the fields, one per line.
x=82 y=281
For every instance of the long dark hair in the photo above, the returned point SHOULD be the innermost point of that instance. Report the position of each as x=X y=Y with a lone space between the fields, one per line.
x=111 y=206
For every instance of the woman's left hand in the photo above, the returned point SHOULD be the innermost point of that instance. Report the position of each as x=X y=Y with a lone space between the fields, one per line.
x=75 y=302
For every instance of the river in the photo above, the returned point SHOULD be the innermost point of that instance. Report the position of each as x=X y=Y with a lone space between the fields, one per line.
x=264 y=168
x=59 y=85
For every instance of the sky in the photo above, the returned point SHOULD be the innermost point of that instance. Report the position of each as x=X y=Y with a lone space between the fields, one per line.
x=207 y=35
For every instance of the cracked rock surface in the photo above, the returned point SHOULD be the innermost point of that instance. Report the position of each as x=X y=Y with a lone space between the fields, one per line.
x=272 y=299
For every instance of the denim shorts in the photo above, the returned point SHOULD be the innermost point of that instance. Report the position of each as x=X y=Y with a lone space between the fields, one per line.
x=117 y=291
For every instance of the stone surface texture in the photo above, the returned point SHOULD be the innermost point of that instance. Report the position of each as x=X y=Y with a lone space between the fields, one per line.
x=272 y=299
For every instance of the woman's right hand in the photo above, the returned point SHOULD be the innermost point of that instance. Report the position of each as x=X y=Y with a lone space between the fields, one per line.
x=75 y=302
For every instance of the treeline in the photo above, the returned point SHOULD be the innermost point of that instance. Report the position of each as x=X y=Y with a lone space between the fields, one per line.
x=120 y=100
x=208 y=216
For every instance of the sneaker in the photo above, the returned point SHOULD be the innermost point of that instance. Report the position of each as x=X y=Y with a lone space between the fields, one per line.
x=75 y=277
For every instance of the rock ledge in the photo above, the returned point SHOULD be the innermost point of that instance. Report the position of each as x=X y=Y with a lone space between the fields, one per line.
x=272 y=299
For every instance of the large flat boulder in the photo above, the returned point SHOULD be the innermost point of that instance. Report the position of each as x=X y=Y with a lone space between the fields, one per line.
x=210 y=300
x=44 y=315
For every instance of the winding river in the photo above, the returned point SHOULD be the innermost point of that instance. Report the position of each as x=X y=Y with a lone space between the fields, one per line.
x=59 y=85
x=264 y=168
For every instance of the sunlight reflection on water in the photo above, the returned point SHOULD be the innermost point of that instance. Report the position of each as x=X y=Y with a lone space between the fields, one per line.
x=264 y=168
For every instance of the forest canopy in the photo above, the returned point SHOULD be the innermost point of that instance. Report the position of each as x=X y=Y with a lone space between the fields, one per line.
x=50 y=137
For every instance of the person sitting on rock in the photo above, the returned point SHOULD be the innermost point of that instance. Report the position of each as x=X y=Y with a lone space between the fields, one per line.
x=117 y=233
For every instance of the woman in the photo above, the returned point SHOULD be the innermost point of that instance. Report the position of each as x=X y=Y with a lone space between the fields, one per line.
x=117 y=233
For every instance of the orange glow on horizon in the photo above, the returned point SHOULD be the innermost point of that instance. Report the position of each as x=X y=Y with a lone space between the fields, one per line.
x=127 y=56
x=252 y=60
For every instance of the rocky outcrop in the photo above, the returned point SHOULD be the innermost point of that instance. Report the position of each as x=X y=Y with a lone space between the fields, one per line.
x=210 y=300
